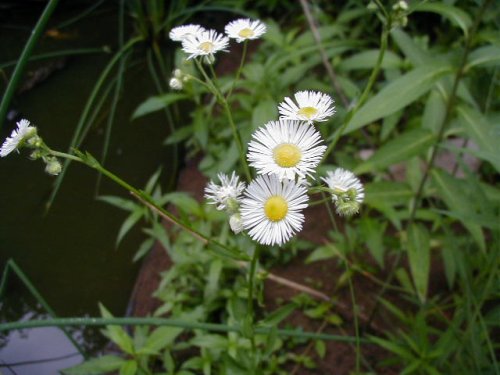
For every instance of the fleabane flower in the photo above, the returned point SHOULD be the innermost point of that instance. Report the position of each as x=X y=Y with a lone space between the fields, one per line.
x=271 y=209
x=347 y=191
x=179 y=33
x=205 y=43
x=245 y=29
x=310 y=106
x=227 y=194
x=24 y=132
x=286 y=148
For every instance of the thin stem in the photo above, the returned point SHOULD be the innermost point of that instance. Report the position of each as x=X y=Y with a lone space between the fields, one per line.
x=240 y=68
x=366 y=92
x=324 y=57
x=251 y=282
x=214 y=327
x=23 y=59
x=225 y=105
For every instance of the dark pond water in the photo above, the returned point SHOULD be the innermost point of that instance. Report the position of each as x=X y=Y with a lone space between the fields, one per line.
x=69 y=253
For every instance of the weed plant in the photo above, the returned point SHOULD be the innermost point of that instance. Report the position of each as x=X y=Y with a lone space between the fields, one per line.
x=413 y=83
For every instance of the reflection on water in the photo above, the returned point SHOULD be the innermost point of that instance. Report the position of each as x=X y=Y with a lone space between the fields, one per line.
x=69 y=254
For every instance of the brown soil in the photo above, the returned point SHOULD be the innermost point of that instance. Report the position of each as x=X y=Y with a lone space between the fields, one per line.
x=340 y=357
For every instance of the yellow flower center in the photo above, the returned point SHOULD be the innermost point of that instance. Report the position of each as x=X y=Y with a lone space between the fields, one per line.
x=276 y=208
x=308 y=111
x=207 y=47
x=287 y=155
x=246 y=33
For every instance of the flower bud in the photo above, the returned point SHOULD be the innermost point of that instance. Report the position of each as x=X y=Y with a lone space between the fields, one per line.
x=53 y=167
x=175 y=84
x=235 y=223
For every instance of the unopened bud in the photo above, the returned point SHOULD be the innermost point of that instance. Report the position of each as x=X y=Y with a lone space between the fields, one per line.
x=235 y=223
x=53 y=167
x=175 y=84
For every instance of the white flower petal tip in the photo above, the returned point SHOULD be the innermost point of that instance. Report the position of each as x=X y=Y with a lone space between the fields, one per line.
x=227 y=194
x=271 y=210
x=179 y=33
x=245 y=29
x=17 y=137
x=286 y=148
x=205 y=43
x=347 y=191
x=310 y=106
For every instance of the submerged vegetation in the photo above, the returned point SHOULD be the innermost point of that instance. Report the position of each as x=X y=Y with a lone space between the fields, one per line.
x=357 y=140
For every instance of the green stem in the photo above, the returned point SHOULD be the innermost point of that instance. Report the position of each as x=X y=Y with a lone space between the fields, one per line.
x=364 y=95
x=225 y=105
x=251 y=313
x=213 y=327
x=238 y=73
x=23 y=59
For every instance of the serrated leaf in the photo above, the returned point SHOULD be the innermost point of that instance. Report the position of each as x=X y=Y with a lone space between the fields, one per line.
x=409 y=144
x=155 y=103
x=398 y=94
x=419 y=258
x=116 y=333
x=95 y=366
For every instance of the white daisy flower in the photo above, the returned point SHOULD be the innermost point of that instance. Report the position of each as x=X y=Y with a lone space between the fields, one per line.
x=311 y=106
x=245 y=29
x=286 y=148
x=205 y=43
x=271 y=210
x=22 y=133
x=227 y=194
x=179 y=33
x=347 y=190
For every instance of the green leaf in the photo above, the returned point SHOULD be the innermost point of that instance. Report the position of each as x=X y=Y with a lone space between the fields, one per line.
x=322 y=252
x=367 y=60
x=484 y=56
x=119 y=202
x=129 y=222
x=398 y=94
x=179 y=135
x=96 y=366
x=211 y=341
x=129 y=368
x=434 y=112
x=265 y=111
x=212 y=282
x=116 y=333
x=409 y=144
x=456 y=15
x=451 y=191
x=419 y=258
x=483 y=133
x=160 y=338
x=320 y=347
x=145 y=246
x=410 y=49
x=183 y=201
x=389 y=192
x=155 y=103
x=278 y=315
x=373 y=232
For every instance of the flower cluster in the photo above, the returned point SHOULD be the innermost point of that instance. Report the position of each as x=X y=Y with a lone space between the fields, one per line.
x=26 y=136
x=199 y=42
x=285 y=153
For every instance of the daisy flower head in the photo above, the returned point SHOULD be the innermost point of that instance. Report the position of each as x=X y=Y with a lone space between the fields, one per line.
x=226 y=195
x=205 y=44
x=310 y=106
x=245 y=29
x=18 y=136
x=286 y=148
x=179 y=33
x=271 y=210
x=347 y=191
